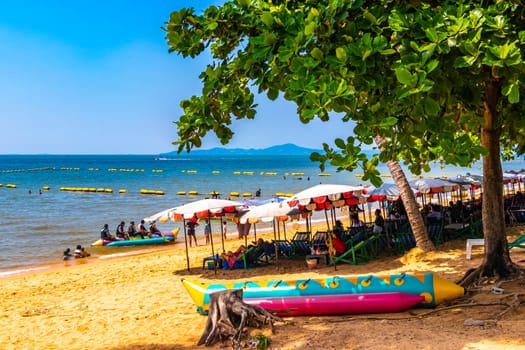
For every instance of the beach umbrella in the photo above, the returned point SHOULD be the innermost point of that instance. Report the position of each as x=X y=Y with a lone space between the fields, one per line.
x=387 y=191
x=162 y=216
x=326 y=197
x=209 y=207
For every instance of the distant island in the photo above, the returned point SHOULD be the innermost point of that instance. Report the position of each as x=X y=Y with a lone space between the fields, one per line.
x=287 y=149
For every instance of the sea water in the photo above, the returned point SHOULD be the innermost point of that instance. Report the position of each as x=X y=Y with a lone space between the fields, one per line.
x=37 y=224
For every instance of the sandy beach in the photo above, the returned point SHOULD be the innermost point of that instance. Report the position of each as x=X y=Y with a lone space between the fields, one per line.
x=138 y=302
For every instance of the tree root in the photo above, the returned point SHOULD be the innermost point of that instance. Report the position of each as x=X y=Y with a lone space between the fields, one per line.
x=228 y=315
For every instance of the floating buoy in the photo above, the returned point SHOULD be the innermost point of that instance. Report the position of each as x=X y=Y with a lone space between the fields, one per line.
x=45 y=188
x=234 y=194
x=193 y=193
x=288 y=195
x=157 y=170
x=108 y=190
x=236 y=173
x=215 y=172
x=101 y=189
x=1 y=185
x=279 y=194
x=143 y=191
x=246 y=194
x=122 y=190
x=10 y=186
x=181 y=193
x=247 y=172
x=324 y=174
x=298 y=174
x=191 y=171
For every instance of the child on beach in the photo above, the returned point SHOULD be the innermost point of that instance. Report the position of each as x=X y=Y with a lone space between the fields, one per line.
x=80 y=252
x=67 y=254
x=224 y=229
x=207 y=231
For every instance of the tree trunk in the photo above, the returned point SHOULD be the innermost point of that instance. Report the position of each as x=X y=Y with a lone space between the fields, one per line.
x=496 y=261
x=409 y=201
x=228 y=315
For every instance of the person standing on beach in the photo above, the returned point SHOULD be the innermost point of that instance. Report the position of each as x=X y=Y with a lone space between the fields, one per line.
x=207 y=231
x=191 y=225
x=224 y=229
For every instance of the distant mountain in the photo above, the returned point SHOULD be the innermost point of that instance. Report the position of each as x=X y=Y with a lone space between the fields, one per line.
x=288 y=149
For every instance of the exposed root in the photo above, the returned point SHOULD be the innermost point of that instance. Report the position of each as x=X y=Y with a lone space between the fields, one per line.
x=229 y=315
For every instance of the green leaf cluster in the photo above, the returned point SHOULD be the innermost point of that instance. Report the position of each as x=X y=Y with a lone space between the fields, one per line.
x=414 y=73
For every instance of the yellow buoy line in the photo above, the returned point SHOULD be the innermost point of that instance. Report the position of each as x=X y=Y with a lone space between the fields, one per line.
x=233 y=194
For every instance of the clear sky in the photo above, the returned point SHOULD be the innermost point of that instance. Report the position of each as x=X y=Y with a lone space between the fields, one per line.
x=95 y=77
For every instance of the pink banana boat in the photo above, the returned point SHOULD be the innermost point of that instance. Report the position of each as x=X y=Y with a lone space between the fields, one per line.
x=338 y=304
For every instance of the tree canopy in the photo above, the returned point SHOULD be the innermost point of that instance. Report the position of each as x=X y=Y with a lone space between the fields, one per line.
x=436 y=80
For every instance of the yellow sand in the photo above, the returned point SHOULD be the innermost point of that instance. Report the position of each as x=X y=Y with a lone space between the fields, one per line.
x=138 y=302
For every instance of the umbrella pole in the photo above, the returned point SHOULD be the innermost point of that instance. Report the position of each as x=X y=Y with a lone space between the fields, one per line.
x=211 y=237
x=276 y=249
x=255 y=233
x=186 y=244
x=222 y=236
x=212 y=249
x=284 y=230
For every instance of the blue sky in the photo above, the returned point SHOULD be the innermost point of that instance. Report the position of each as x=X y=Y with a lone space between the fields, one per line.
x=95 y=77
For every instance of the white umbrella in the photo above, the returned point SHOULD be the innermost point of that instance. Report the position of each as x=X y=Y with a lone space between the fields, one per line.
x=209 y=207
x=161 y=216
x=333 y=192
x=436 y=185
x=212 y=205
x=266 y=212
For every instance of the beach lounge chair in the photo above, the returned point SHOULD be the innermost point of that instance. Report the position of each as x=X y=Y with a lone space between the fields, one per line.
x=285 y=248
x=301 y=243
x=435 y=232
x=361 y=251
x=319 y=241
x=518 y=242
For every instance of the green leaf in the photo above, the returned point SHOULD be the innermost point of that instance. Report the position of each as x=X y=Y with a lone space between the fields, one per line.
x=431 y=106
x=431 y=34
x=388 y=122
x=512 y=92
x=431 y=65
x=273 y=94
x=244 y=3
x=340 y=53
x=387 y=52
x=267 y=19
x=317 y=54
x=404 y=77
x=309 y=29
